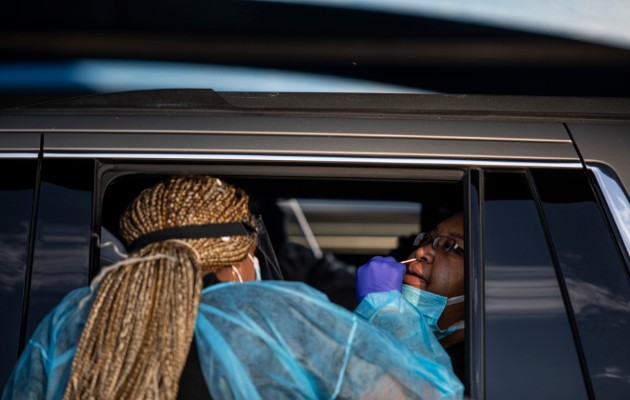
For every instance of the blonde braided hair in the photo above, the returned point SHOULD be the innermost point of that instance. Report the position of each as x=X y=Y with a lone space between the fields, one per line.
x=138 y=333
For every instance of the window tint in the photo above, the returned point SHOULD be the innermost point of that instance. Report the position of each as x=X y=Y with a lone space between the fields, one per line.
x=596 y=278
x=62 y=242
x=16 y=206
x=530 y=351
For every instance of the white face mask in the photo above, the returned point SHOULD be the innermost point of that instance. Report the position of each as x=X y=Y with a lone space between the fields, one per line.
x=256 y=266
x=432 y=306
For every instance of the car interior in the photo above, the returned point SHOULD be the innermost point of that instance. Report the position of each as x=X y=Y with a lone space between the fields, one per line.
x=323 y=222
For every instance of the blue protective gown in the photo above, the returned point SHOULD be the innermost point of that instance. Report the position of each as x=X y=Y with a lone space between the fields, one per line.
x=271 y=340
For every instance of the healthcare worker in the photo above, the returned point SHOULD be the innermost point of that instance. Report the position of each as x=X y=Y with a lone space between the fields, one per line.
x=129 y=334
x=429 y=287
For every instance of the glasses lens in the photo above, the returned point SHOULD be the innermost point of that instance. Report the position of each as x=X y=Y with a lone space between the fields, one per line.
x=443 y=243
x=422 y=239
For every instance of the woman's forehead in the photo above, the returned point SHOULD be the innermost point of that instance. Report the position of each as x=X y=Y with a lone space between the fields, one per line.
x=452 y=226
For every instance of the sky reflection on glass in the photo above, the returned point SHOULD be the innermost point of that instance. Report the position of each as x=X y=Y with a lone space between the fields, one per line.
x=121 y=75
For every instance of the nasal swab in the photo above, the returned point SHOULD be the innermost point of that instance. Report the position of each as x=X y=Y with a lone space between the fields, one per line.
x=410 y=261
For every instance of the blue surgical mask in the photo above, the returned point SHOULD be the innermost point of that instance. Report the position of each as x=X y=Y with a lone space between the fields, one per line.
x=256 y=266
x=432 y=306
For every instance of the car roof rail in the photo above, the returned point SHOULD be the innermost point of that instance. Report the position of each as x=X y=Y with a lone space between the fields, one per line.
x=171 y=99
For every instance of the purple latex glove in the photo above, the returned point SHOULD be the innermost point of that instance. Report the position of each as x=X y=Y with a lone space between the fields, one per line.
x=380 y=274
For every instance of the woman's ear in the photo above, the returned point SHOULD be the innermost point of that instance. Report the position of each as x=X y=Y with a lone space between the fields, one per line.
x=242 y=272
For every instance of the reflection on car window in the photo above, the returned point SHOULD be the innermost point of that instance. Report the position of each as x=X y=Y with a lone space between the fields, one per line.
x=595 y=276
x=61 y=259
x=16 y=206
x=530 y=352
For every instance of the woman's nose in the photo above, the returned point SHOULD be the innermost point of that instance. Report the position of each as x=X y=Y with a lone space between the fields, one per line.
x=425 y=253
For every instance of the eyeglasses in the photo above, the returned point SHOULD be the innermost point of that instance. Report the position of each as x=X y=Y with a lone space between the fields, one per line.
x=443 y=243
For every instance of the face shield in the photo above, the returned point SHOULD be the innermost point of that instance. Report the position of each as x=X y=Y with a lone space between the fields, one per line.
x=269 y=266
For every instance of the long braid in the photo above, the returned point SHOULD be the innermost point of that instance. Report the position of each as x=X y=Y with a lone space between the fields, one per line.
x=138 y=333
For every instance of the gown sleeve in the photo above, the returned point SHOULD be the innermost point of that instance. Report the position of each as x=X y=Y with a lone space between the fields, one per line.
x=43 y=367
x=260 y=340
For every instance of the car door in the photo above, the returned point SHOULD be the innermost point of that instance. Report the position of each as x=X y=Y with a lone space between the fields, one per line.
x=557 y=295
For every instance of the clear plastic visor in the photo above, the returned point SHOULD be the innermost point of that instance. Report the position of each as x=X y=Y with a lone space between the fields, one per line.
x=269 y=266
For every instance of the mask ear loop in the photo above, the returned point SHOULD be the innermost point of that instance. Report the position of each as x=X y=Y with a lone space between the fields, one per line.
x=455 y=300
x=240 y=278
x=113 y=245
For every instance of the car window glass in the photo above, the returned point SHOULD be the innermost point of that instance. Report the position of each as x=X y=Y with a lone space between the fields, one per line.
x=596 y=278
x=530 y=351
x=16 y=206
x=62 y=243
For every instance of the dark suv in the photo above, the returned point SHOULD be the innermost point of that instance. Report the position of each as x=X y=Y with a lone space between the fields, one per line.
x=543 y=184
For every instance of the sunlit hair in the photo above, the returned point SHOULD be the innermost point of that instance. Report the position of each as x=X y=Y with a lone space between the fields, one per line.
x=138 y=333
